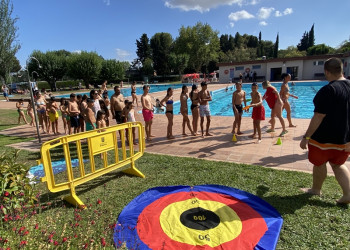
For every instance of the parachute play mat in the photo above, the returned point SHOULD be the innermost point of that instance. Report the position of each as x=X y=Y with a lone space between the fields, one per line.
x=198 y=217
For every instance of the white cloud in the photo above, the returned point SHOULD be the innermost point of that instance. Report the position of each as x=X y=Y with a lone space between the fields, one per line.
x=240 y=15
x=77 y=51
x=205 y=5
x=265 y=13
x=232 y=25
x=107 y=2
x=263 y=23
x=122 y=55
x=288 y=11
x=278 y=13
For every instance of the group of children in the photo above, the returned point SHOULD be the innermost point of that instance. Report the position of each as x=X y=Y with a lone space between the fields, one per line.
x=277 y=101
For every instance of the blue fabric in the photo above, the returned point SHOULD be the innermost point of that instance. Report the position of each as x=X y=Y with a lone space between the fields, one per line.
x=125 y=230
x=57 y=167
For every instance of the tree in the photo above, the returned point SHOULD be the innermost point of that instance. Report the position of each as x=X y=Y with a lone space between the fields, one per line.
x=178 y=62
x=260 y=49
x=147 y=68
x=161 y=47
x=53 y=66
x=275 y=47
x=320 y=49
x=85 y=66
x=200 y=42
x=344 y=47
x=8 y=43
x=311 y=41
x=291 y=51
x=112 y=70
x=303 y=44
x=143 y=48
x=252 y=42
x=238 y=40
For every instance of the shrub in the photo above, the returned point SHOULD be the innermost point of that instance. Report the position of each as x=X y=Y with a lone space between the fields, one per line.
x=16 y=191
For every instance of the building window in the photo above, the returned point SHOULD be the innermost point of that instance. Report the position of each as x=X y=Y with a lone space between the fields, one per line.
x=256 y=67
x=318 y=63
x=240 y=68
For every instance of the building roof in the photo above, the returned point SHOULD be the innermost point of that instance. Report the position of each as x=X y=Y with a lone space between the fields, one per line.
x=340 y=55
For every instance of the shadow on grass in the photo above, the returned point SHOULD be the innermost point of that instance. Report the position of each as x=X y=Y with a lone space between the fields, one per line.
x=289 y=204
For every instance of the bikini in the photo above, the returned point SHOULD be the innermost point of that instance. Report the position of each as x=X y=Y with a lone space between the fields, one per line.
x=42 y=110
x=170 y=102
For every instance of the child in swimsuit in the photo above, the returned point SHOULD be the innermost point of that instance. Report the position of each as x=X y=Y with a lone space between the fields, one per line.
x=30 y=112
x=238 y=97
x=20 y=106
x=258 y=111
x=168 y=100
x=53 y=114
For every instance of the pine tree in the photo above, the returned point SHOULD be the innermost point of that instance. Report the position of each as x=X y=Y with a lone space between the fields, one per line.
x=259 y=48
x=303 y=45
x=275 y=49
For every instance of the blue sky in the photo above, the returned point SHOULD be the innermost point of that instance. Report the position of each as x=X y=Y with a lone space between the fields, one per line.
x=111 y=27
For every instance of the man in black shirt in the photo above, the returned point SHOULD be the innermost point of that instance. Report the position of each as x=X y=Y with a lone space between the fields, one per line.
x=328 y=135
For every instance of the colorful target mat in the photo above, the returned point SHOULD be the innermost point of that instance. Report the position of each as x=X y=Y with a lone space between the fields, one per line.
x=198 y=217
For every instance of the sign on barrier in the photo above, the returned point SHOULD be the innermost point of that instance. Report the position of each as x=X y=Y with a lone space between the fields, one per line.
x=101 y=148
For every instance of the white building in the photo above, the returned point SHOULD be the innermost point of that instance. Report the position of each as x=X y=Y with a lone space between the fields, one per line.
x=301 y=68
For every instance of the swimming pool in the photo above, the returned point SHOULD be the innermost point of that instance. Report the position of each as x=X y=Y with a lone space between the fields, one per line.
x=126 y=92
x=221 y=105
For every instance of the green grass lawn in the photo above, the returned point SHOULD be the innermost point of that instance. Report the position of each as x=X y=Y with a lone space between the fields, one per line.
x=310 y=222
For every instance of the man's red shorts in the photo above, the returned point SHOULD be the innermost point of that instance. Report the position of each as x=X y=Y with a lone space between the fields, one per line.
x=318 y=156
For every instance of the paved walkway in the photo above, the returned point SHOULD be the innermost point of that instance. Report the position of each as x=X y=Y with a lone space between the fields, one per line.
x=220 y=147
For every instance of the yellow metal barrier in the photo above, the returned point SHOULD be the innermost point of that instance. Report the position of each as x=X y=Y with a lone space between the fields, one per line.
x=99 y=143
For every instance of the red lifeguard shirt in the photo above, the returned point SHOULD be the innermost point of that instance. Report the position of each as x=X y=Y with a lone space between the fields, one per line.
x=270 y=97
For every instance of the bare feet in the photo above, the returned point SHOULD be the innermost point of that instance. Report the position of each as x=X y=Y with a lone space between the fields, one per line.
x=193 y=133
x=171 y=137
x=253 y=136
x=239 y=133
x=292 y=125
x=152 y=136
x=311 y=191
x=233 y=131
x=148 y=139
x=208 y=134
x=258 y=141
x=344 y=200
x=184 y=134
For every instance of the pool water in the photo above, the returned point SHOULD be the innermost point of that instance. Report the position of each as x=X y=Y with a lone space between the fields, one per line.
x=126 y=92
x=221 y=105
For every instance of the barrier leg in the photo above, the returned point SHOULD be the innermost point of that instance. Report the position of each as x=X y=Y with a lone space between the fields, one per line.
x=134 y=171
x=74 y=200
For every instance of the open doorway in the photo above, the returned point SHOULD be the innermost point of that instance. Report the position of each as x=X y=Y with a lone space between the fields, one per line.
x=275 y=74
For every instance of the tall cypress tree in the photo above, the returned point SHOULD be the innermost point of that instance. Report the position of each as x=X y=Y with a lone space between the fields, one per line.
x=303 y=44
x=275 y=49
x=259 y=48
x=311 y=41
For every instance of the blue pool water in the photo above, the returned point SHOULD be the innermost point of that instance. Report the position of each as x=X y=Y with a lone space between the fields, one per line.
x=221 y=105
x=126 y=92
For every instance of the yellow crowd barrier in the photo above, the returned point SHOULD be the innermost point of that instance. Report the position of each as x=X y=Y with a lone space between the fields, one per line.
x=97 y=145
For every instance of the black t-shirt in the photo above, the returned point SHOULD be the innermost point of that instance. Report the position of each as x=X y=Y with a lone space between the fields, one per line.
x=333 y=100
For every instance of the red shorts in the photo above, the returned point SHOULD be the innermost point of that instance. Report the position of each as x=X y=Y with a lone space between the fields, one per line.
x=147 y=115
x=258 y=113
x=319 y=156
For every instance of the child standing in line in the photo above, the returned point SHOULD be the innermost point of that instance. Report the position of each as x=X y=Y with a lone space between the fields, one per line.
x=30 y=112
x=238 y=97
x=258 y=111
x=53 y=114
x=64 y=112
x=20 y=106
x=100 y=119
x=89 y=116
x=131 y=118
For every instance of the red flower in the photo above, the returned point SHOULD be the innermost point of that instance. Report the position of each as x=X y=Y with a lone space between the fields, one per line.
x=23 y=243
x=6 y=193
x=85 y=245
x=36 y=226
x=99 y=201
x=92 y=222
x=26 y=232
x=75 y=236
x=103 y=242
x=55 y=243
x=64 y=239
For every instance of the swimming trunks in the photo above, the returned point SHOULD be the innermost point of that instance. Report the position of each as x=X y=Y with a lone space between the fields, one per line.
x=118 y=117
x=53 y=116
x=42 y=111
x=147 y=115
x=204 y=110
x=258 y=113
x=239 y=108
x=74 y=121
x=89 y=126
x=194 y=106
x=169 y=111
x=320 y=153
